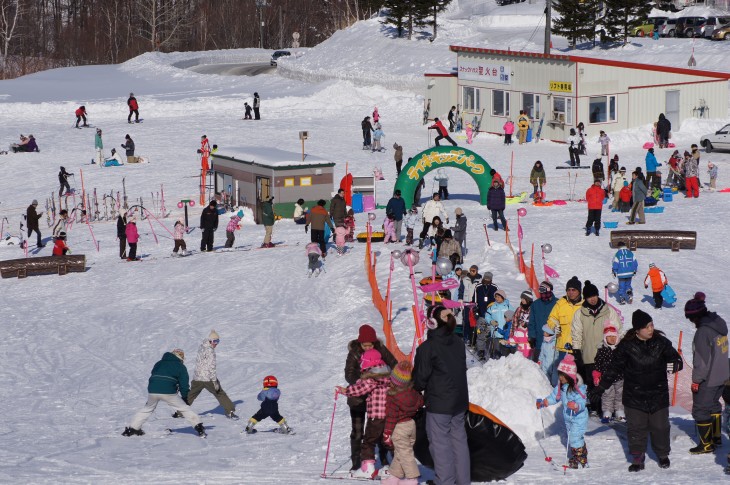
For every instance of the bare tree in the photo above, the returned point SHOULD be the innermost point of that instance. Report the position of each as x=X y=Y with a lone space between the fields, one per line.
x=165 y=23
x=10 y=12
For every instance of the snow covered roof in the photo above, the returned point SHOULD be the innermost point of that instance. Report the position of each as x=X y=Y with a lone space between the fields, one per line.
x=272 y=157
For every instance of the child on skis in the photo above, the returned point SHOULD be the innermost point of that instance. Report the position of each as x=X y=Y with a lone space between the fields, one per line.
x=469 y=133
x=340 y=237
x=377 y=136
x=400 y=429
x=571 y=392
x=132 y=238
x=233 y=225
x=658 y=281
x=519 y=336
x=389 y=229
x=604 y=140
x=178 y=235
x=611 y=403
x=350 y=225
x=269 y=398
x=459 y=230
x=59 y=246
x=548 y=359
x=411 y=220
x=373 y=383
x=314 y=252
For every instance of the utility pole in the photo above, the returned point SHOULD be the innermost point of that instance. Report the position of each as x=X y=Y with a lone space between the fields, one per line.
x=548 y=25
x=260 y=4
x=281 y=30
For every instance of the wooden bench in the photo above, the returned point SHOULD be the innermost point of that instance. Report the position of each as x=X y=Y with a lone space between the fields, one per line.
x=674 y=240
x=60 y=265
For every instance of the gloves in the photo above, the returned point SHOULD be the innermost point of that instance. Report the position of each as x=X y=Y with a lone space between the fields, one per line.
x=573 y=406
x=387 y=441
x=695 y=388
x=646 y=286
x=341 y=390
x=595 y=393
x=532 y=342
x=541 y=403
x=674 y=367
x=568 y=346
x=306 y=228
x=596 y=377
x=217 y=385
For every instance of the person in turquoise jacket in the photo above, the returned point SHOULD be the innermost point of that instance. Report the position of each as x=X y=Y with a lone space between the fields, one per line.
x=99 y=147
x=169 y=375
x=652 y=178
x=571 y=392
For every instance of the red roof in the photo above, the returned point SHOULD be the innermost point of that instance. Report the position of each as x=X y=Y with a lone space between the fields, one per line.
x=593 y=60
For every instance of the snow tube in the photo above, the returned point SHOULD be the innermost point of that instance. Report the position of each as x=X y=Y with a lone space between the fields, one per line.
x=517 y=198
x=496 y=452
x=670 y=297
x=648 y=145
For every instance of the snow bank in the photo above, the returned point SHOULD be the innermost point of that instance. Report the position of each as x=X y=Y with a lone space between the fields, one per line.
x=508 y=388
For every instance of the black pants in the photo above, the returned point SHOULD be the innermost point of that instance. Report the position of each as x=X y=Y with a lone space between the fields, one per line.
x=594 y=219
x=179 y=244
x=269 y=409
x=123 y=247
x=500 y=214
x=318 y=237
x=398 y=165
x=247 y=116
x=452 y=125
x=424 y=232
x=658 y=299
x=38 y=233
x=357 y=416
x=508 y=138
x=256 y=114
x=443 y=192
x=230 y=239
x=64 y=185
x=206 y=243
x=447 y=137
x=134 y=112
x=79 y=118
x=574 y=157
x=132 y=251
x=641 y=425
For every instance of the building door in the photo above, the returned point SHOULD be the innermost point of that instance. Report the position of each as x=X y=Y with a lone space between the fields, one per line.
x=263 y=191
x=671 y=108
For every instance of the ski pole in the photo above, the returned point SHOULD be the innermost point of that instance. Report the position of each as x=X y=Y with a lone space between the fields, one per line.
x=329 y=438
x=485 y=232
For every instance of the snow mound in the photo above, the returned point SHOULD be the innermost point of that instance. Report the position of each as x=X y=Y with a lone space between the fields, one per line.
x=508 y=388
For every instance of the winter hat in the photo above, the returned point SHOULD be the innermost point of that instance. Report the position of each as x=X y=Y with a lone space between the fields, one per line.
x=626 y=184
x=574 y=283
x=488 y=276
x=608 y=330
x=271 y=381
x=509 y=315
x=652 y=265
x=458 y=211
x=545 y=287
x=696 y=306
x=640 y=319
x=500 y=293
x=622 y=169
x=212 y=203
x=568 y=367
x=366 y=334
x=371 y=358
x=35 y=202
x=589 y=289
x=213 y=335
x=401 y=374
x=179 y=354
x=458 y=267
x=527 y=295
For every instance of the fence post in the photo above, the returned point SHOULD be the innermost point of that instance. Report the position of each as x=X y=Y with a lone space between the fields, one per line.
x=676 y=374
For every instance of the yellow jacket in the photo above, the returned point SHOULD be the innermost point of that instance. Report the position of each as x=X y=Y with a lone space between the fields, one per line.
x=561 y=320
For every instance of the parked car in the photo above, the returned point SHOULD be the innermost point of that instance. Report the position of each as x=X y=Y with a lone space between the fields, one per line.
x=706 y=28
x=507 y=2
x=720 y=140
x=721 y=33
x=647 y=28
x=686 y=25
x=668 y=28
x=276 y=55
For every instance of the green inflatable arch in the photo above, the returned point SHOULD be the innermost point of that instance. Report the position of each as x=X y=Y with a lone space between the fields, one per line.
x=444 y=156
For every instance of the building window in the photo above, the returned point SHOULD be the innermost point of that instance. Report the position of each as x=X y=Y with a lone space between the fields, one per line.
x=531 y=105
x=563 y=109
x=602 y=109
x=500 y=103
x=470 y=99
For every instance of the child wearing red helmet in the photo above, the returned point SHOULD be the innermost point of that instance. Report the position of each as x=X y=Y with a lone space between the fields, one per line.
x=269 y=398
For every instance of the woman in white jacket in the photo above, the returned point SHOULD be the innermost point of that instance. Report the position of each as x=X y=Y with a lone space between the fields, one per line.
x=433 y=208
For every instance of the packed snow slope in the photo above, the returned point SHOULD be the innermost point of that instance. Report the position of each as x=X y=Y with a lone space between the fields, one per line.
x=78 y=349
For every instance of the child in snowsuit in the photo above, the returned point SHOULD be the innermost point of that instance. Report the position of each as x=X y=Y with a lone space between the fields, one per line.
x=611 y=400
x=624 y=267
x=400 y=429
x=340 y=237
x=314 y=252
x=548 y=359
x=519 y=336
x=469 y=133
x=604 y=140
x=499 y=315
x=509 y=129
x=571 y=392
x=178 y=234
x=132 y=239
x=658 y=281
x=712 y=171
x=373 y=383
x=411 y=220
x=269 y=398
x=459 y=230
x=624 y=198
x=389 y=229
x=377 y=136
x=350 y=225
x=59 y=246
x=231 y=228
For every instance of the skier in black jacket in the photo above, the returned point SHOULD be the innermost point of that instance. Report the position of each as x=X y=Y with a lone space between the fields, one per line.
x=209 y=224
x=122 y=235
x=63 y=180
x=663 y=128
x=32 y=217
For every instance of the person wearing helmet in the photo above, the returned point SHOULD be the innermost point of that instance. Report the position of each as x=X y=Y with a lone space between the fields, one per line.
x=269 y=398
x=133 y=108
x=169 y=375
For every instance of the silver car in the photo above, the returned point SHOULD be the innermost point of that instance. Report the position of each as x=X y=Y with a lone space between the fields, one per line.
x=720 y=140
x=707 y=28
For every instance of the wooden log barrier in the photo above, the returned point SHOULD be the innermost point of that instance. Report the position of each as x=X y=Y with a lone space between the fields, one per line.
x=674 y=240
x=60 y=265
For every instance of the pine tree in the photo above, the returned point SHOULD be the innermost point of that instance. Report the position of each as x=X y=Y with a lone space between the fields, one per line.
x=622 y=16
x=431 y=8
x=577 y=19
x=404 y=14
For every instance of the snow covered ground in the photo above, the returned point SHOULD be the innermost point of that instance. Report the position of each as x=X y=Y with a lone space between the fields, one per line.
x=78 y=350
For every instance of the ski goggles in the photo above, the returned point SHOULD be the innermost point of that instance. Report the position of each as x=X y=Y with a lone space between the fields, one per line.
x=215 y=341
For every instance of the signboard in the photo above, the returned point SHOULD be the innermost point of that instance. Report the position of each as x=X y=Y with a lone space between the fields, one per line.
x=487 y=72
x=561 y=86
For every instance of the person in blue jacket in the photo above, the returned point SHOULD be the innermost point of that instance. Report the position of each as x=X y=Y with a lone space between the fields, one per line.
x=624 y=268
x=652 y=178
x=571 y=392
x=269 y=398
x=539 y=313
x=397 y=207
x=169 y=376
x=498 y=317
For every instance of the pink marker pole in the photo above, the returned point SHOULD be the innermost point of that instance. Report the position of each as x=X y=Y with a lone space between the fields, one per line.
x=329 y=438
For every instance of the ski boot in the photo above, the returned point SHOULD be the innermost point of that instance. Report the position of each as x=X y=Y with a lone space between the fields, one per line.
x=597 y=232
x=367 y=470
x=637 y=463
x=284 y=428
x=177 y=414
x=579 y=458
x=232 y=416
x=664 y=462
x=251 y=426
x=717 y=429
x=132 y=432
x=704 y=432
x=606 y=418
x=200 y=430
x=588 y=231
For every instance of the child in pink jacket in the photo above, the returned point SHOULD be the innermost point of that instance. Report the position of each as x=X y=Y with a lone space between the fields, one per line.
x=509 y=129
x=469 y=133
x=178 y=235
x=389 y=229
x=313 y=254
x=340 y=235
x=132 y=238
x=233 y=225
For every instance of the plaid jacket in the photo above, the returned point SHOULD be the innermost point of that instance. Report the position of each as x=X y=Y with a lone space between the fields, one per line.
x=401 y=407
x=376 y=390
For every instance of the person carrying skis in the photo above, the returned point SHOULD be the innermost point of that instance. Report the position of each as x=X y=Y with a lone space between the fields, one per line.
x=571 y=392
x=178 y=236
x=206 y=377
x=32 y=217
x=247 y=107
x=133 y=108
x=442 y=132
x=99 y=147
x=60 y=248
x=169 y=376
x=313 y=255
x=132 y=238
x=624 y=268
x=658 y=281
x=459 y=230
x=234 y=224
x=594 y=197
x=128 y=146
x=122 y=234
x=208 y=224
x=81 y=115
x=63 y=176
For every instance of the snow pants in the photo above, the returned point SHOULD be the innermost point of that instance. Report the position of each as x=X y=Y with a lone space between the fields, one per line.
x=611 y=399
x=444 y=192
x=206 y=242
x=500 y=214
x=100 y=156
x=624 y=289
x=637 y=212
x=658 y=299
x=134 y=112
x=404 y=462
x=267 y=235
x=641 y=425
x=449 y=449
x=373 y=437
x=173 y=400
x=196 y=387
x=706 y=402
x=230 y=238
x=447 y=137
x=268 y=409
x=574 y=156
x=313 y=261
x=594 y=219
x=66 y=186
x=179 y=244
x=693 y=187
x=132 y=251
x=123 y=247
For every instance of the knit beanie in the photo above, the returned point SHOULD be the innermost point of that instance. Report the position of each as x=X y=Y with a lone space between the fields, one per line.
x=568 y=367
x=487 y=276
x=401 y=375
x=609 y=330
x=213 y=335
x=371 y=358
x=500 y=293
x=528 y=296
x=640 y=319
x=589 y=289
x=696 y=306
x=574 y=283
x=366 y=334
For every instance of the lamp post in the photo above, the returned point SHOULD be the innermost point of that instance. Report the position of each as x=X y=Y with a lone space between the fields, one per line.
x=260 y=4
